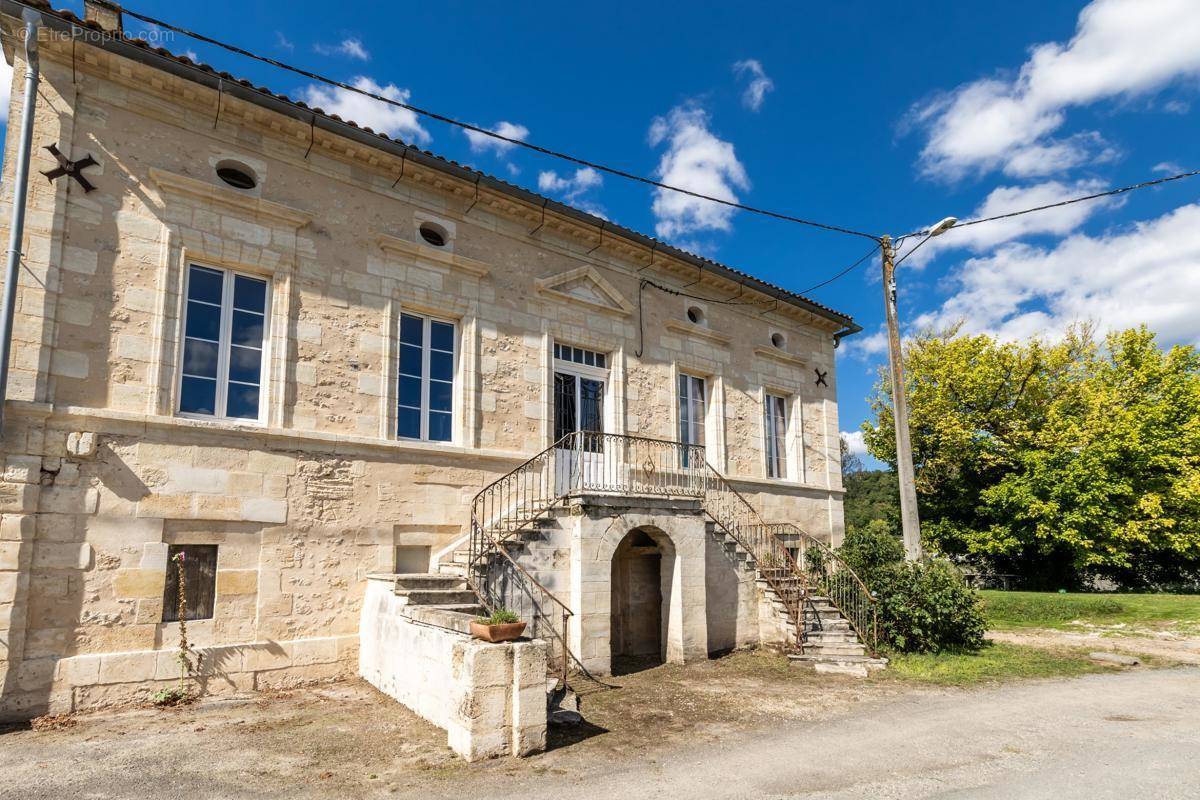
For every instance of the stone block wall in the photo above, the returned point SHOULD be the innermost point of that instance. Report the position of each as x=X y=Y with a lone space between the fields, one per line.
x=101 y=474
x=490 y=698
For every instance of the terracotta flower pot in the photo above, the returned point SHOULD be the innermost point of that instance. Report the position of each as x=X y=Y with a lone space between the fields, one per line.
x=497 y=633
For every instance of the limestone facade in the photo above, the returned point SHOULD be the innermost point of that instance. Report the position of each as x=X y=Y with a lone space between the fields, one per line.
x=102 y=473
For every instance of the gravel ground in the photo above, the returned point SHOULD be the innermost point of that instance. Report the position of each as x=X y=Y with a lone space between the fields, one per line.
x=739 y=727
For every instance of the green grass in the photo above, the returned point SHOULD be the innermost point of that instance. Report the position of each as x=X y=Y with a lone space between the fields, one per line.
x=1016 y=610
x=996 y=662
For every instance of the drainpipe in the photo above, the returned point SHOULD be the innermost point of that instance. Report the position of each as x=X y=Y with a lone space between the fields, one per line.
x=20 y=189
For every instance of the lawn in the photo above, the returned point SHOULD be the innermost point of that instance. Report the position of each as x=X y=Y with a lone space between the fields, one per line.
x=1017 y=610
x=997 y=661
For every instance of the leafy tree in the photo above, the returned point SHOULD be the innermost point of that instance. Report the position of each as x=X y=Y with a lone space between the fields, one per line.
x=871 y=495
x=1056 y=461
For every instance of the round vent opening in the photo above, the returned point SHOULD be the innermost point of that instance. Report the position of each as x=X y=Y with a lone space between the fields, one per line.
x=695 y=314
x=238 y=176
x=434 y=235
x=778 y=340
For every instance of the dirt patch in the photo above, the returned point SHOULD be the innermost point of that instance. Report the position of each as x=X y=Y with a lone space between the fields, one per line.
x=347 y=740
x=1166 y=647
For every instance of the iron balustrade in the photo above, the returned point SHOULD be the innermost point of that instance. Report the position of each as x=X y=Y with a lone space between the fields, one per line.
x=585 y=462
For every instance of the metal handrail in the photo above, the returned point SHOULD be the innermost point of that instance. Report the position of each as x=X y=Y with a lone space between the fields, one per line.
x=602 y=463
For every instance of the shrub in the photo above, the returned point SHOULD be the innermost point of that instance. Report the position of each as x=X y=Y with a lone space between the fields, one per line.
x=927 y=607
x=871 y=548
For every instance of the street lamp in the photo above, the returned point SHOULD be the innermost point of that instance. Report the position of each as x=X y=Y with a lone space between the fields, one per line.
x=909 y=520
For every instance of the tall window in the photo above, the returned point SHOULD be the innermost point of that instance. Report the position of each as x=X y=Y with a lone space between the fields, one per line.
x=775 y=426
x=426 y=393
x=691 y=413
x=225 y=330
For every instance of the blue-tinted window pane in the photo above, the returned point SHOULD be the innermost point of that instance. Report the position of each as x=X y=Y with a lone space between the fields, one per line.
x=205 y=284
x=439 y=426
x=408 y=423
x=441 y=336
x=200 y=358
x=412 y=329
x=410 y=392
x=203 y=322
x=245 y=364
x=441 y=366
x=410 y=360
x=249 y=294
x=242 y=401
x=198 y=396
x=248 y=328
x=440 y=396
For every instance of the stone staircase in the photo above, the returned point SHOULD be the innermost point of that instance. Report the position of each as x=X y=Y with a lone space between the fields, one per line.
x=436 y=599
x=830 y=643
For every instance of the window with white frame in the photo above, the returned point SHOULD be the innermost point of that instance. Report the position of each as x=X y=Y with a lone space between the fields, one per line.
x=425 y=406
x=224 y=343
x=775 y=429
x=692 y=399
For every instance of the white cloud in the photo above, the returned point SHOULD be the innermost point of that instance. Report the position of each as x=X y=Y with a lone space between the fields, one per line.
x=1142 y=274
x=6 y=76
x=191 y=55
x=366 y=111
x=755 y=91
x=856 y=444
x=282 y=42
x=1120 y=48
x=1053 y=221
x=481 y=142
x=1177 y=107
x=1167 y=168
x=349 y=47
x=864 y=345
x=696 y=160
x=573 y=188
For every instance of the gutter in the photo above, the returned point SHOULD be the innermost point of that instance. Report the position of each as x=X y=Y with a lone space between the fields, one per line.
x=20 y=192
x=263 y=98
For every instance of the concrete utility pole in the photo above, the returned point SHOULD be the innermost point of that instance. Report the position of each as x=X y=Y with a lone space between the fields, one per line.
x=904 y=463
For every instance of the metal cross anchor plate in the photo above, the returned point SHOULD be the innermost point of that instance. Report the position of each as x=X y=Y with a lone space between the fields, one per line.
x=821 y=377
x=68 y=167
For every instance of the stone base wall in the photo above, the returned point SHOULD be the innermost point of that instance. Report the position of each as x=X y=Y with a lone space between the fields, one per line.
x=490 y=698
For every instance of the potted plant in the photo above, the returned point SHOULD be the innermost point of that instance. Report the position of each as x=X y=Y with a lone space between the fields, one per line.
x=502 y=626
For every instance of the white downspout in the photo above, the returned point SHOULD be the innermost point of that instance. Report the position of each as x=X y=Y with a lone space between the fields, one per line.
x=20 y=190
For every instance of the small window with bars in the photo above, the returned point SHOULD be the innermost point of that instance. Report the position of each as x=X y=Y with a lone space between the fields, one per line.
x=578 y=355
x=199 y=581
x=775 y=428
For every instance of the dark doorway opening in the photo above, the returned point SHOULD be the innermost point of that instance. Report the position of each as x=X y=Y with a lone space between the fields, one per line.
x=637 y=621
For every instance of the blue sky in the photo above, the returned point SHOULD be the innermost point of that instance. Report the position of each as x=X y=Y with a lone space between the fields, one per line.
x=878 y=116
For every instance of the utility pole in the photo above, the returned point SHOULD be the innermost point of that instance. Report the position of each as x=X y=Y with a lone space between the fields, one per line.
x=904 y=464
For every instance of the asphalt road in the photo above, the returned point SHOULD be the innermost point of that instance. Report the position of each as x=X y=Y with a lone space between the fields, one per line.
x=1126 y=735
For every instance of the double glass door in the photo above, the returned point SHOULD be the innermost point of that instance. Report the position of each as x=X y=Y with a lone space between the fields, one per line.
x=578 y=407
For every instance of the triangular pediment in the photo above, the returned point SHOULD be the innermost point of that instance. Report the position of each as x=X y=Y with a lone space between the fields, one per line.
x=585 y=286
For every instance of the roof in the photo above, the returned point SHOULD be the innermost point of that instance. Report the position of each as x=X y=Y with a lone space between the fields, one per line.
x=181 y=66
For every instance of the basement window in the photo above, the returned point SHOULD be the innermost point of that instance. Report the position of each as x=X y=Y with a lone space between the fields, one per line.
x=199 y=581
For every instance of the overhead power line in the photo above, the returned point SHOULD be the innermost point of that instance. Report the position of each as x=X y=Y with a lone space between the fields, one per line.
x=1060 y=203
x=493 y=134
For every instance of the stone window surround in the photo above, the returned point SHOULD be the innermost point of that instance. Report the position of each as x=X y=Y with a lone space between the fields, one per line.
x=614 y=385
x=184 y=245
x=392 y=389
x=796 y=472
x=714 y=413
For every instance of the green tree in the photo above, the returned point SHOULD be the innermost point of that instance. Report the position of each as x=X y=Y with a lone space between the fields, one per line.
x=1056 y=461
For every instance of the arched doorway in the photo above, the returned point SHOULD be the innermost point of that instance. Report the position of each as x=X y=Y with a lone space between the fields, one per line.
x=637 y=603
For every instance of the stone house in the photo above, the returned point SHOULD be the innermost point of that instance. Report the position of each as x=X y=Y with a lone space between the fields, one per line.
x=296 y=351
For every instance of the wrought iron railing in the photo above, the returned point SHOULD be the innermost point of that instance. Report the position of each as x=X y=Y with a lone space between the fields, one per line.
x=827 y=575
x=587 y=462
